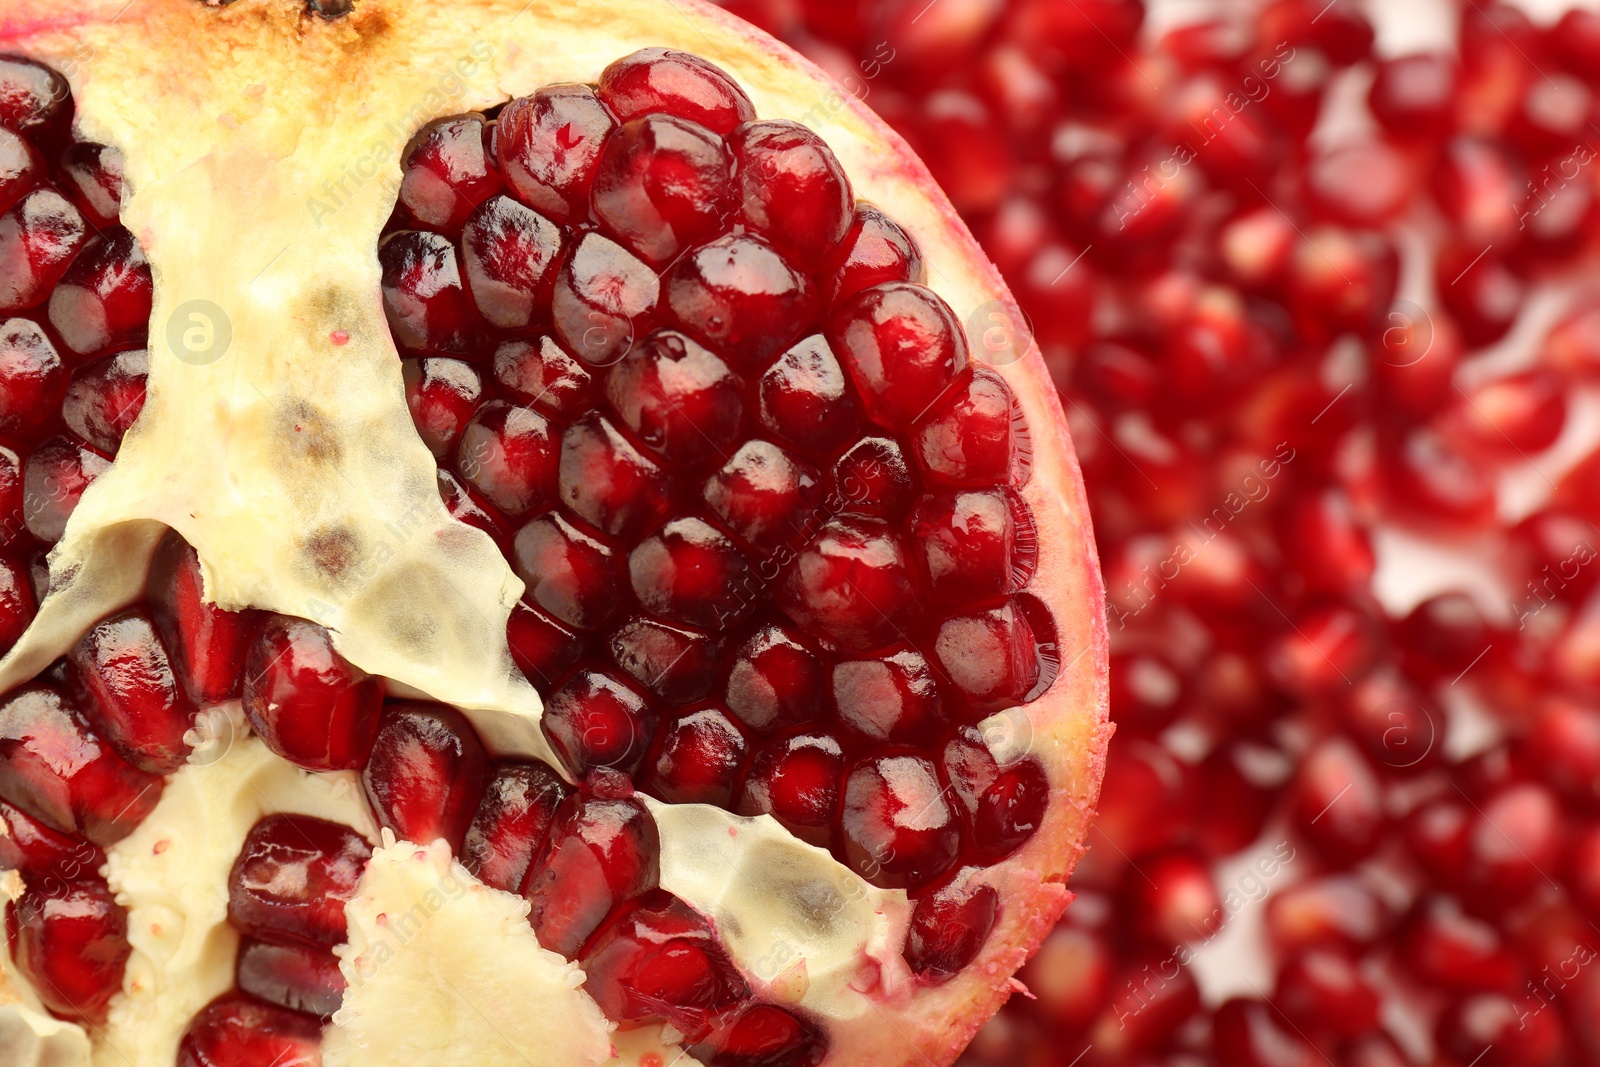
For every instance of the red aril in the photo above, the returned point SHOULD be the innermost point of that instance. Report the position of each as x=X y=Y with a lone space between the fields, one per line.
x=71 y=941
x=427 y=772
x=292 y=879
x=132 y=694
x=307 y=702
x=235 y=1029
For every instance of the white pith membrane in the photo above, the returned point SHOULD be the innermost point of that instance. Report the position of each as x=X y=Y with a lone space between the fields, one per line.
x=262 y=149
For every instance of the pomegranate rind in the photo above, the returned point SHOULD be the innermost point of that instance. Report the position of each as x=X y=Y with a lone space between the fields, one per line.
x=290 y=461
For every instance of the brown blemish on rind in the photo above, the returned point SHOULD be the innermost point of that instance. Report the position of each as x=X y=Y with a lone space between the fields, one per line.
x=332 y=550
x=306 y=432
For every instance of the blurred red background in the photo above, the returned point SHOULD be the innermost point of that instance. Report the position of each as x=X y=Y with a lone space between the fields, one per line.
x=1316 y=281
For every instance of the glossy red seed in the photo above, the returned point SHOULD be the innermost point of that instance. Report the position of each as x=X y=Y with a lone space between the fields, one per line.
x=661 y=961
x=548 y=145
x=1010 y=811
x=1330 y=647
x=509 y=253
x=1324 y=990
x=1173 y=899
x=542 y=374
x=949 y=927
x=1070 y=975
x=698 y=759
x=71 y=942
x=1251 y=1033
x=53 y=482
x=893 y=698
x=1563 y=741
x=1412 y=95
x=973 y=545
x=851 y=586
x=608 y=482
x=207 y=644
x=662 y=185
x=424 y=297
x=595 y=721
x=54 y=767
x=603 y=852
x=1364 y=183
x=901 y=345
x=571 y=574
x=875 y=251
x=678 y=665
x=991 y=655
x=297 y=977
x=38 y=239
x=542 y=648
x=674 y=83
x=806 y=401
x=292 y=879
x=795 y=779
x=1152 y=995
x=234 y=1030
x=91 y=174
x=1518 y=835
x=775 y=679
x=445 y=172
x=603 y=298
x=512 y=823
x=442 y=395
x=306 y=701
x=1580 y=874
x=508 y=454
x=18 y=602
x=39 y=852
x=132 y=695
x=35 y=101
x=792 y=190
x=679 y=399
x=971 y=435
x=895 y=828
x=21 y=169
x=1337 y=804
x=1479 y=291
x=1331 y=910
x=105 y=397
x=1448 y=949
x=427 y=773
x=1326 y=544
x=103 y=300
x=690 y=572
x=32 y=379
x=765 y=495
x=872 y=478
x=740 y=297
x=1511 y=418
x=765 y=1035
x=1500 y=1031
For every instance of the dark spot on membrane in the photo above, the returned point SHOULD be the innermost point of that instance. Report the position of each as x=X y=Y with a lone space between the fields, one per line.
x=307 y=432
x=332 y=550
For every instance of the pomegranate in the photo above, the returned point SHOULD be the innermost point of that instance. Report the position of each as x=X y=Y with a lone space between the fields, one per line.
x=424 y=584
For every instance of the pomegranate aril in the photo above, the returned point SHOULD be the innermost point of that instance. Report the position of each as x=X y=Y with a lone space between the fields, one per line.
x=103 y=300
x=71 y=942
x=91 y=174
x=875 y=251
x=21 y=169
x=891 y=699
x=424 y=297
x=427 y=773
x=872 y=478
x=1325 y=544
x=805 y=400
x=105 y=397
x=442 y=395
x=949 y=926
x=1330 y=646
x=1010 y=811
x=676 y=664
x=234 y=1030
x=663 y=184
x=680 y=400
x=1251 y=1033
x=512 y=823
x=308 y=703
x=895 y=828
x=55 y=768
x=207 y=644
x=29 y=846
x=973 y=545
x=1412 y=95
x=1519 y=833
x=542 y=648
x=509 y=254
x=297 y=977
x=595 y=721
x=1173 y=899
x=902 y=345
x=993 y=655
x=1499 y=1030
x=764 y=494
x=661 y=961
x=1564 y=742
x=54 y=480
x=33 y=381
x=1514 y=417
x=971 y=437
x=698 y=759
x=742 y=298
x=851 y=586
x=775 y=679
x=1324 y=990
x=654 y=80
x=18 y=602
x=1070 y=975
x=508 y=454
x=606 y=481
x=762 y=1035
x=1331 y=910
x=792 y=190
x=292 y=879
x=1153 y=995
x=541 y=374
x=1479 y=291
x=445 y=172
x=1337 y=802
x=1448 y=949
x=690 y=572
x=603 y=852
x=602 y=299
x=795 y=779
x=132 y=695
x=465 y=506
x=35 y=101
x=548 y=145
x=38 y=239
x=571 y=574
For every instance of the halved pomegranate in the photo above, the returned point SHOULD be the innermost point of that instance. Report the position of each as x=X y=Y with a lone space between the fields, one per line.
x=691 y=499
